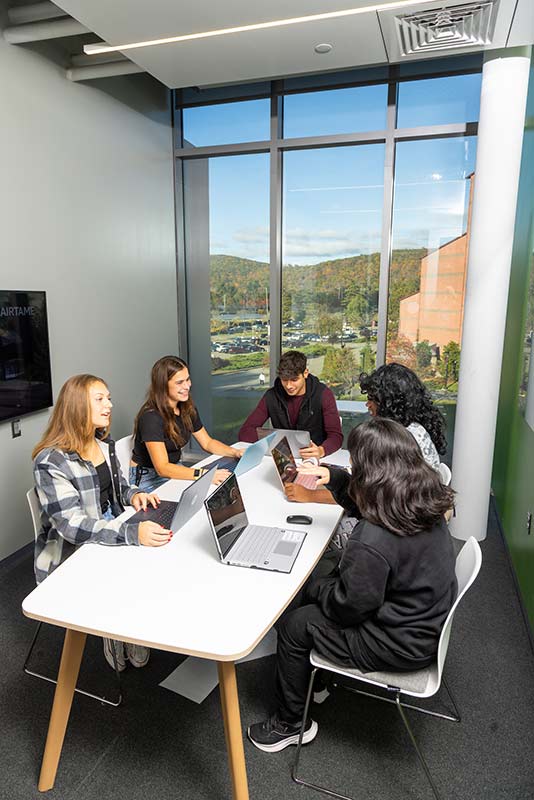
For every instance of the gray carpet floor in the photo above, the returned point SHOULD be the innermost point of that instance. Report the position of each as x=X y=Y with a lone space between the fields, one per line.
x=160 y=745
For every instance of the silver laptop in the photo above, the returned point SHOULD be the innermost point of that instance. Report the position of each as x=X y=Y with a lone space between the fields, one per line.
x=174 y=515
x=244 y=545
x=252 y=456
x=286 y=467
x=297 y=439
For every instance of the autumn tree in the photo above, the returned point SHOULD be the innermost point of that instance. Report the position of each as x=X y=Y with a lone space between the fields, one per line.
x=330 y=325
x=287 y=306
x=339 y=368
x=367 y=359
x=451 y=359
x=356 y=311
x=423 y=353
x=401 y=350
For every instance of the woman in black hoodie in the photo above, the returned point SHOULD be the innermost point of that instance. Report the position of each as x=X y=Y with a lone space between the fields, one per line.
x=383 y=606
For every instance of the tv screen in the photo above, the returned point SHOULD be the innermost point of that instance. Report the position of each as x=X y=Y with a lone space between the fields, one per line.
x=25 y=379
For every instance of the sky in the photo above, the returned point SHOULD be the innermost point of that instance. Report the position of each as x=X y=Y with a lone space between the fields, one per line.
x=332 y=197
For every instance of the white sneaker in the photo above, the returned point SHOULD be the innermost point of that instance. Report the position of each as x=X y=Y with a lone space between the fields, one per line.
x=137 y=655
x=119 y=653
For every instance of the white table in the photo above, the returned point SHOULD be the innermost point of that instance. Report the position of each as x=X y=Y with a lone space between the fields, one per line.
x=185 y=601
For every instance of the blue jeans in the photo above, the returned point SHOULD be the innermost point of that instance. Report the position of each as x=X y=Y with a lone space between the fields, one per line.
x=108 y=513
x=149 y=480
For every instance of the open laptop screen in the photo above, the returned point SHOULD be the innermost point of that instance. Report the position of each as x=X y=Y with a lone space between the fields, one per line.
x=296 y=439
x=227 y=513
x=285 y=463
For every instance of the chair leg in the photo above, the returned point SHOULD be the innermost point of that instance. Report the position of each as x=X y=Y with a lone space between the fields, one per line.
x=294 y=775
x=416 y=746
x=400 y=707
x=36 y=634
x=455 y=718
x=102 y=700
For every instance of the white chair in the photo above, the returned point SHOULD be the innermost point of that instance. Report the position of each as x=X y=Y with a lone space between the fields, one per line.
x=123 y=451
x=421 y=683
x=35 y=511
x=445 y=474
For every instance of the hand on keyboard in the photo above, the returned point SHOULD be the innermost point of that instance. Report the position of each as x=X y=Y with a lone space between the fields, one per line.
x=322 y=473
x=151 y=534
x=141 y=500
x=220 y=475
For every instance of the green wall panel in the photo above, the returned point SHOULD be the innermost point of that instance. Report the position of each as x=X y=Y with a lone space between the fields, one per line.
x=513 y=466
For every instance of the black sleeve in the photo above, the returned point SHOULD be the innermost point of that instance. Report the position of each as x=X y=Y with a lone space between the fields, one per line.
x=339 y=486
x=150 y=427
x=197 y=422
x=356 y=589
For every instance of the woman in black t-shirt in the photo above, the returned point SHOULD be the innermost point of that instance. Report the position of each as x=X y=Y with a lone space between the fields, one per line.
x=164 y=426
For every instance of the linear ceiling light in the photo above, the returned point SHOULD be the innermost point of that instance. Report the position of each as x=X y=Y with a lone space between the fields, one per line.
x=94 y=49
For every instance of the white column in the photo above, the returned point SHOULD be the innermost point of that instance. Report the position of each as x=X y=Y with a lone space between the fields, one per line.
x=505 y=78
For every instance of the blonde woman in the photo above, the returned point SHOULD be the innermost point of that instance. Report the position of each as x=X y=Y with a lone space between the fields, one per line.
x=81 y=489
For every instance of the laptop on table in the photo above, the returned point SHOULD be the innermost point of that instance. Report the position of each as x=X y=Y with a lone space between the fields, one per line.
x=252 y=456
x=297 y=439
x=244 y=545
x=286 y=467
x=174 y=515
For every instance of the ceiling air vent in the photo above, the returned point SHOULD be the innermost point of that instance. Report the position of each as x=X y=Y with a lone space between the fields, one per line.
x=465 y=25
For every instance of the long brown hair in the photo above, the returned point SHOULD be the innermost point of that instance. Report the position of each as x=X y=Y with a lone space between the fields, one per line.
x=70 y=427
x=391 y=483
x=157 y=399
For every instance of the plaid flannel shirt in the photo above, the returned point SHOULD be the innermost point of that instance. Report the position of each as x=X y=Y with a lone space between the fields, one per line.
x=69 y=495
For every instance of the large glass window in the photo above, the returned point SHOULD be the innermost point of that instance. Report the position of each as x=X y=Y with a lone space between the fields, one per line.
x=439 y=101
x=330 y=206
x=226 y=123
x=331 y=259
x=362 y=108
x=228 y=287
x=239 y=287
x=433 y=185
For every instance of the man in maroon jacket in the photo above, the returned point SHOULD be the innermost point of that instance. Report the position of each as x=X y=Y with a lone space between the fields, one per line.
x=298 y=401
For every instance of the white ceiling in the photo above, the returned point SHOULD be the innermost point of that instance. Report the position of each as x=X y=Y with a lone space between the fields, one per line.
x=366 y=39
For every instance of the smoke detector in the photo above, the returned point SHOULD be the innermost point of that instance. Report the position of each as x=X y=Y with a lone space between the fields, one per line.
x=466 y=25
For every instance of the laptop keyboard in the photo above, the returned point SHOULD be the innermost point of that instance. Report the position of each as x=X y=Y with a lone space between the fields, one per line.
x=163 y=514
x=260 y=542
x=308 y=481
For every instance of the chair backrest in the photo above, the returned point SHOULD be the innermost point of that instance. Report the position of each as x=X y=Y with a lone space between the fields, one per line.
x=123 y=451
x=445 y=474
x=468 y=563
x=35 y=510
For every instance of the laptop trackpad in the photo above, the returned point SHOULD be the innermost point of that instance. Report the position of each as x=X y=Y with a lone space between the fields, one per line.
x=285 y=548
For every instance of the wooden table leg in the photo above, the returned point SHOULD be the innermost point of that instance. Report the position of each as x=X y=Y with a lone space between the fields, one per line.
x=232 y=729
x=66 y=683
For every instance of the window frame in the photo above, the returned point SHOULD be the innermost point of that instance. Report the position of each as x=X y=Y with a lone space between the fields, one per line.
x=275 y=146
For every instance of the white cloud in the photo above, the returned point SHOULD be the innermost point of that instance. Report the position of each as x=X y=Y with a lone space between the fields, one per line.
x=300 y=245
x=303 y=247
x=257 y=235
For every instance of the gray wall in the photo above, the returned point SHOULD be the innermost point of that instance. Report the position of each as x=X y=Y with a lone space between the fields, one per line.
x=86 y=214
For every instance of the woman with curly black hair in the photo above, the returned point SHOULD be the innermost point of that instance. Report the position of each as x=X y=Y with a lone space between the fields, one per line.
x=395 y=392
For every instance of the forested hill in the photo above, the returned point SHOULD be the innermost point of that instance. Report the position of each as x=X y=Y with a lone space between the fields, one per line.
x=240 y=282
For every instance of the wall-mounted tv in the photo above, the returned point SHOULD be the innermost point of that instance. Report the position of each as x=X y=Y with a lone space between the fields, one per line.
x=25 y=378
